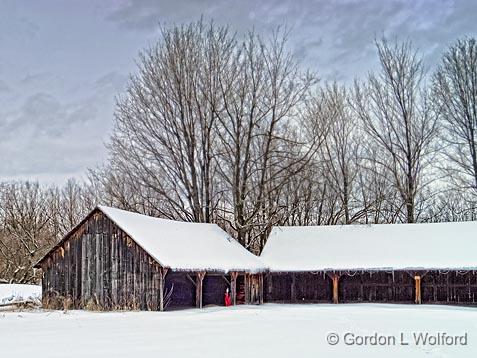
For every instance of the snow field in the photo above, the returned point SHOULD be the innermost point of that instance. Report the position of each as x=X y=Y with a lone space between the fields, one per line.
x=270 y=330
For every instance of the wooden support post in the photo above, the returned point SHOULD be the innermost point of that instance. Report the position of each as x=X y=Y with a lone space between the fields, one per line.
x=161 y=291
x=233 y=287
x=198 y=288
x=260 y=283
x=246 y=278
x=293 y=288
x=162 y=281
x=335 y=279
x=417 y=282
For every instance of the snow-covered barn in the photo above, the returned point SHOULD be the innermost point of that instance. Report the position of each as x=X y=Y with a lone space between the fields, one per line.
x=118 y=259
x=428 y=263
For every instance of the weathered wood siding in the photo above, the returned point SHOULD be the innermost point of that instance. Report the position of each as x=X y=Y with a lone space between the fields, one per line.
x=442 y=287
x=100 y=267
x=294 y=287
x=449 y=287
x=381 y=286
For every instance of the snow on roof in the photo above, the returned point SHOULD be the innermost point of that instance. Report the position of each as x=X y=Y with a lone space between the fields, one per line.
x=184 y=245
x=380 y=247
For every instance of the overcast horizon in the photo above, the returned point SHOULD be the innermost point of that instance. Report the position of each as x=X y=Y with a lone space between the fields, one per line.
x=62 y=65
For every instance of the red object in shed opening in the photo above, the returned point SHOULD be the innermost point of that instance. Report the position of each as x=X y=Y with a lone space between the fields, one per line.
x=227 y=299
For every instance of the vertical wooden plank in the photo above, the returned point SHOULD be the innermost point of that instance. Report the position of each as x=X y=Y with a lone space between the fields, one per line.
x=114 y=268
x=107 y=263
x=84 y=269
x=138 y=261
x=65 y=266
x=122 y=270
x=79 y=270
x=136 y=250
x=98 y=262
x=91 y=247
x=149 y=286
x=92 y=264
x=129 y=273
x=72 y=276
x=142 y=277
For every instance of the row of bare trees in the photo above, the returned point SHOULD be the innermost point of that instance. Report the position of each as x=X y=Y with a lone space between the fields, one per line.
x=215 y=127
x=32 y=219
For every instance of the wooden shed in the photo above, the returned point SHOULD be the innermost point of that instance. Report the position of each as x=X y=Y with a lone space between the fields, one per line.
x=397 y=263
x=116 y=259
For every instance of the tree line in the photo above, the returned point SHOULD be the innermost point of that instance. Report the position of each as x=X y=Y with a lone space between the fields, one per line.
x=217 y=127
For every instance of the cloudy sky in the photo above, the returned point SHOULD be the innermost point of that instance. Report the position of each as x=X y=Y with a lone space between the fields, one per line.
x=62 y=62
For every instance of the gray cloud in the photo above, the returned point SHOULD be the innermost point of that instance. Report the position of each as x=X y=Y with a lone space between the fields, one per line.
x=336 y=38
x=49 y=139
x=32 y=78
x=42 y=115
x=61 y=65
x=4 y=88
x=112 y=81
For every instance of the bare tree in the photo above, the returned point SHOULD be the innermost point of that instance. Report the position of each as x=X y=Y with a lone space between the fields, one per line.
x=69 y=204
x=452 y=205
x=395 y=113
x=208 y=130
x=25 y=233
x=341 y=154
x=262 y=93
x=162 y=140
x=455 y=92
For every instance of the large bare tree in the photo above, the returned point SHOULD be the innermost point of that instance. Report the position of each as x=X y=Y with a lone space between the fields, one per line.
x=455 y=92
x=341 y=154
x=207 y=130
x=396 y=114
x=162 y=141
x=262 y=93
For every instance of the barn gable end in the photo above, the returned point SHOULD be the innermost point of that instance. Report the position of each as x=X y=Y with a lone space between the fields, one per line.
x=97 y=265
x=115 y=259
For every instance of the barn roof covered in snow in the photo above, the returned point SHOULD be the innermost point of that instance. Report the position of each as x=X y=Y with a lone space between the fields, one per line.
x=372 y=247
x=184 y=245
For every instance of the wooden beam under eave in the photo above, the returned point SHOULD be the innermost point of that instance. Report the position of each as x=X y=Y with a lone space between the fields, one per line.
x=198 y=289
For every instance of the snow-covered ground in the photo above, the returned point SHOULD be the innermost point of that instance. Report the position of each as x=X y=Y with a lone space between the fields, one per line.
x=244 y=331
x=16 y=293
